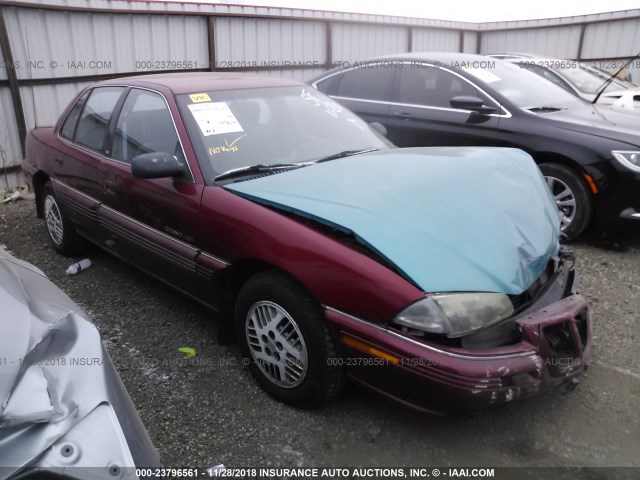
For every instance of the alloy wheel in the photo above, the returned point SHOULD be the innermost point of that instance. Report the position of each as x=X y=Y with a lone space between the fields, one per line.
x=53 y=219
x=276 y=344
x=565 y=199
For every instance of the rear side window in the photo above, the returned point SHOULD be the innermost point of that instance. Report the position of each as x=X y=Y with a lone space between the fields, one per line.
x=69 y=127
x=369 y=83
x=94 y=121
x=329 y=86
x=145 y=126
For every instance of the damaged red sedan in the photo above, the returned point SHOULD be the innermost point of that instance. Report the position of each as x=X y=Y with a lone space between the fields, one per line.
x=431 y=275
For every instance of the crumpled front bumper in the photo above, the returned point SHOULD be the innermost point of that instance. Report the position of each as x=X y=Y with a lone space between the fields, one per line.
x=553 y=352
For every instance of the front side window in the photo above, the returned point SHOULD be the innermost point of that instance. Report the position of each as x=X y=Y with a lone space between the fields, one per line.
x=94 y=121
x=429 y=86
x=144 y=126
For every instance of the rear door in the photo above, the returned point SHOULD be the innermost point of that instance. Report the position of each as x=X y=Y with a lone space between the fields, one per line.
x=78 y=175
x=421 y=114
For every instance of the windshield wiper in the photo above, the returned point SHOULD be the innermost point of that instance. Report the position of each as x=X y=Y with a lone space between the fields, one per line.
x=604 y=86
x=256 y=168
x=345 y=153
x=544 y=109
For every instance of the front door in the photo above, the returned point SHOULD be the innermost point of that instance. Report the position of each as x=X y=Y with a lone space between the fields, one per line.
x=152 y=222
x=421 y=113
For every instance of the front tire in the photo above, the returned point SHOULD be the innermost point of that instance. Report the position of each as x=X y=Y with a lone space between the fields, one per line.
x=60 y=229
x=282 y=331
x=572 y=197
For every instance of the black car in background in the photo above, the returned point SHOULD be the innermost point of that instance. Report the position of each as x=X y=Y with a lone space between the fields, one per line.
x=590 y=156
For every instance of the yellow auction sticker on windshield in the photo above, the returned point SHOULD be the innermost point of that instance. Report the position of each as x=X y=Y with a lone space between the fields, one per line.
x=199 y=97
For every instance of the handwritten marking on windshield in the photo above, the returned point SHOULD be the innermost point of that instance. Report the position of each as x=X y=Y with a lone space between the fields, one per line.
x=226 y=148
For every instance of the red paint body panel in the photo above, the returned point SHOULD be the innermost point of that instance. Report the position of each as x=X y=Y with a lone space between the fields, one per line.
x=236 y=229
x=438 y=379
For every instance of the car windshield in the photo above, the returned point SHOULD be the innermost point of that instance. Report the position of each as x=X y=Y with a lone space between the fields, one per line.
x=281 y=126
x=624 y=84
x=585 y=81
x=524 y=88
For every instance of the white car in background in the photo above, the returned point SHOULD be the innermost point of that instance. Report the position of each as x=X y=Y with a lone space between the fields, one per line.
x=584 y=81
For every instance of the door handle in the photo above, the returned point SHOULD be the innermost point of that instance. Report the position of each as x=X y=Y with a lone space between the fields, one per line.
x=404 y=115
x=109 y=187
x=59 y=161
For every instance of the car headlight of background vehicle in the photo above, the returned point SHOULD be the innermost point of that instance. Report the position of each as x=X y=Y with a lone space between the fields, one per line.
x=454 y=314
x=629 y=159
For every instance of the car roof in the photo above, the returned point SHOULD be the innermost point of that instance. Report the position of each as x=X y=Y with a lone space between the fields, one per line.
x=433 y=56
x=445 y=59
x=191 y=82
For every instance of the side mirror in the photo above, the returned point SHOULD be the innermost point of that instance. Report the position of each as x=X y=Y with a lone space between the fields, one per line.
x=155 y=165
x=379 y=128
x=474 y=104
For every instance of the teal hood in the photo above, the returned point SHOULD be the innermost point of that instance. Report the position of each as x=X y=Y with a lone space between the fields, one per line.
x=450 y=219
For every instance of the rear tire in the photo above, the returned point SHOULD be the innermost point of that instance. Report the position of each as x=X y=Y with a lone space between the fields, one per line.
x=572 y=197
x=282 y=331
x=60 y=229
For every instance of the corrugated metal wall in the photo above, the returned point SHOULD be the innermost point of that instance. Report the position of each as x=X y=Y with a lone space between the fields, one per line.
x=352 y=42
x=425 y=40
x=558 y=42
x=60 y=46
x=262 y=42
x=53 y=44
x=609 y=40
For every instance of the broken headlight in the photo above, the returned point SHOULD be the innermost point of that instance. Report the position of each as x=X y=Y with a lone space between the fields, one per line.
x=454 y=314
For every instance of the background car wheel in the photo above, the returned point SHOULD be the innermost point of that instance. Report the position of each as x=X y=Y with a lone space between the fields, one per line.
x=572 y=196
x=282 y=331
x=60 y=229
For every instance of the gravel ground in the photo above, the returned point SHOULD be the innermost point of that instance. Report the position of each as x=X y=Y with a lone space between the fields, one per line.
x=210 y=411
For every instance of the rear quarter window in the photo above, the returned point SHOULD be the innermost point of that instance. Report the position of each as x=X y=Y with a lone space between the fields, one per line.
x=368 y=83
x=68 y=129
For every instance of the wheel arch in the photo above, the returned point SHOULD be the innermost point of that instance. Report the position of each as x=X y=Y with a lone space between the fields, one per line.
x=39 y=180
x=551 y=157
x=237 y=274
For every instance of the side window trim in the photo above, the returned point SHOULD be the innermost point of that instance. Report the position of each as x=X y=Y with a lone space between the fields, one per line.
x=114 y=122
x=84 y=104
x=107 y=146
x=505 y=113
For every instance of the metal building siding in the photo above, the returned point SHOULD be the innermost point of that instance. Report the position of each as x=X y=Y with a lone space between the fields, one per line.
x=560 y=42
x=43 y=104
x=352 y=43
x=470 y=42
x=551 y=22
x=612 y=39
x=9 y=137
x=64 y=44
x=3 y=70
x=430 y=40
x=252 y=40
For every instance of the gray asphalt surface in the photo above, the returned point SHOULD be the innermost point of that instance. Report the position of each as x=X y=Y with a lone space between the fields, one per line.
x=210 y=411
